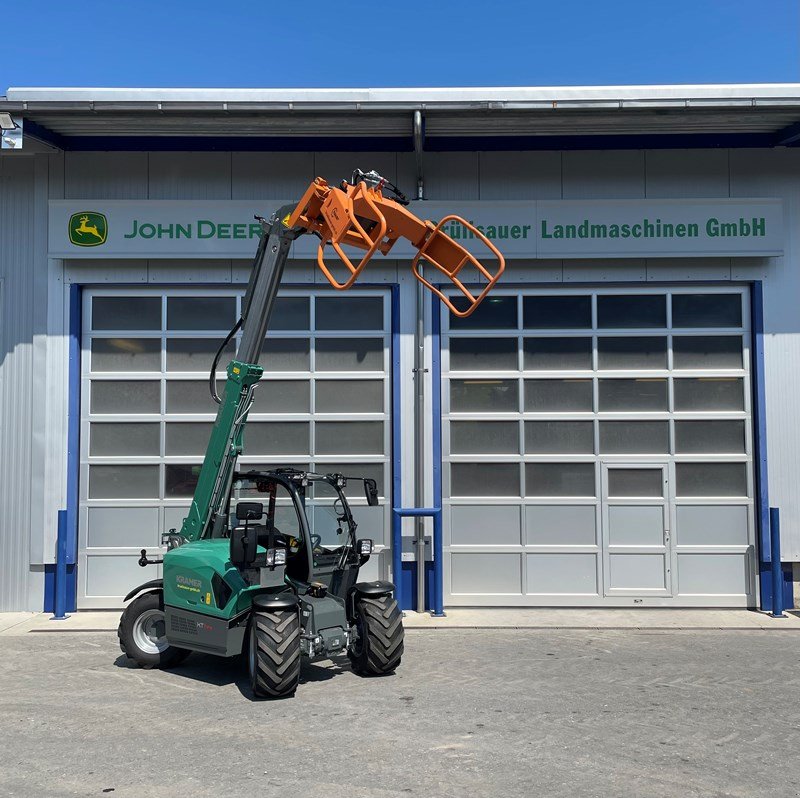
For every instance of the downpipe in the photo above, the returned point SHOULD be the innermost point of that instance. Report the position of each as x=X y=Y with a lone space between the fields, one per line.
x=419 y=392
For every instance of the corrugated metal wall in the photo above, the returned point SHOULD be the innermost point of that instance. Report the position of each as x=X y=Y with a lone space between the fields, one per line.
x=17 y=401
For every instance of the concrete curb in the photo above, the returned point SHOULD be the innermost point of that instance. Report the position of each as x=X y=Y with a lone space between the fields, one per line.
x=587 y=619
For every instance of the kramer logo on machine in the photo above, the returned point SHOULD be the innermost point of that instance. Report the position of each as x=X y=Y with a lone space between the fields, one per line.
x=88 y=229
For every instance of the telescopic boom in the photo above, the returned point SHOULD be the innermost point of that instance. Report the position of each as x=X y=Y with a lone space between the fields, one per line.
x=354 y=214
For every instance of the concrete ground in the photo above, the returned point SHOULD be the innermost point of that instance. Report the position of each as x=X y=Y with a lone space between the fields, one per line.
x=569 y=713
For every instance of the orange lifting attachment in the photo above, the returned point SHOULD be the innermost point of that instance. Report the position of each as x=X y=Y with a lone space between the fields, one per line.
x=357 y=214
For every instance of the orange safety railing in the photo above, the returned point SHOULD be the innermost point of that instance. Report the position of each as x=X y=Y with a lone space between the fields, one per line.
x=360 y=216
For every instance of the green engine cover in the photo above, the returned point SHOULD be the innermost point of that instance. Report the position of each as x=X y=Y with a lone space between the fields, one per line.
x=200 y=574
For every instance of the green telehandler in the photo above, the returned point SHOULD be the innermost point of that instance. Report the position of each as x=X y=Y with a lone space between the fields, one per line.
x=266 y=562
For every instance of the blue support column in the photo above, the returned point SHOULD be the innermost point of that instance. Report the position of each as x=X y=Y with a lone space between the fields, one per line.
x=60 y=591
x=436 y=407
x=775 y=564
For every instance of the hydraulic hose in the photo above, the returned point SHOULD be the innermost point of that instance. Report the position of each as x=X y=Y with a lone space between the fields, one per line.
x=212 y=377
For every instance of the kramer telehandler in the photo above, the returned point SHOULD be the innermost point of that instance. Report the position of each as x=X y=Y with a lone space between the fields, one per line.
x=266 y=562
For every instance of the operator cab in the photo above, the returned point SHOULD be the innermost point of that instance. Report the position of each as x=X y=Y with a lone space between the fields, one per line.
x=299 y=529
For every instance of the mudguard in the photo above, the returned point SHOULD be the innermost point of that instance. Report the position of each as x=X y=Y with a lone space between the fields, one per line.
x=153 y=584
x=374 y=589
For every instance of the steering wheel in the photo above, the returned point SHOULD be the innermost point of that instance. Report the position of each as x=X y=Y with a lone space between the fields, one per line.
x=316 y=542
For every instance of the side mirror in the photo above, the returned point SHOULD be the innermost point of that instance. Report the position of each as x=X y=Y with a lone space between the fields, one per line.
x=244 y=543
x=371 y=491
x=249 y=511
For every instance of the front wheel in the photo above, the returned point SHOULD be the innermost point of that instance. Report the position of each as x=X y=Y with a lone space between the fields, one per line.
x=379 y=646
x=143 y=635
x=274 y=653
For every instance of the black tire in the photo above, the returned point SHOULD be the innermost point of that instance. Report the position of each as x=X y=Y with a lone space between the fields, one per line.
x=142 y=634
x=274 y=653
x=379 y=646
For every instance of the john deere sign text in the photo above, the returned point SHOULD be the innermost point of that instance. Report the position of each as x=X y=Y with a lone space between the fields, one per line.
x=540 y=229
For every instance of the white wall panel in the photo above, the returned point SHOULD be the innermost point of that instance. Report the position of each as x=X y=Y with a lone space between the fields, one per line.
x=271 y=175
x=19 y=408
x=105 y=175
x=686 y=173
x=609 y=174
x=520 y=175
x=189 y=175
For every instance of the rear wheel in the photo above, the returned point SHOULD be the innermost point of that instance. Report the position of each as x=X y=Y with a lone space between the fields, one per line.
x=379 y=646
x=143 y=636
x=274 y=653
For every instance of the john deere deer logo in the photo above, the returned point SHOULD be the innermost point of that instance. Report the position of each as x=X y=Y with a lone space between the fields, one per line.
x=88 y=229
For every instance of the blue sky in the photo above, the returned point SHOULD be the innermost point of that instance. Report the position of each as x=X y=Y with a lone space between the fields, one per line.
x=434 y=43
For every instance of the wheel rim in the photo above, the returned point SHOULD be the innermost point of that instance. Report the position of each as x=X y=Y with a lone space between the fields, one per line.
x=150 y=632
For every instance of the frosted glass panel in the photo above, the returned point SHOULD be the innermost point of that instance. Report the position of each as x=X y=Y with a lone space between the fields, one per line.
x=634 y=437
x=123 y=482
x=707 y=352
x=349 y=313
x=484 y=479
x=197 y=354
x=559 y=479
x=557 y=354
x=557 y=312
x=126 y=313
x=290 y=313
x=631 y=311
x=709 y=437
x=349 y=354
x=124 y=440
x=484 y=437
x=285 y=354
x=559 y=437
x=283 y=396
x=640 y=352
x=635 y=395
x=711 y=479
x=126 y=354
x=709 y=393
x=276 y=437
x=192 y=396
x=706 y=310
x=484 y=396
x=355 y=488
x=496 y=312
x=483 y=354
x=125 y=396
x=180 y=480
x=201 y=312
x=349 y=396
x=188 y=438
x=635 y=482
x=561 y=396
x=349 y=437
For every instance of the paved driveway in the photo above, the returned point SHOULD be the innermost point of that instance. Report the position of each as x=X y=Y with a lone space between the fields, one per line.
x=470 y=714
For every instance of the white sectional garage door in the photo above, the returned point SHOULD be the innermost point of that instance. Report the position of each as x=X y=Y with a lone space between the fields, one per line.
x=598 y=447
x=147 y=413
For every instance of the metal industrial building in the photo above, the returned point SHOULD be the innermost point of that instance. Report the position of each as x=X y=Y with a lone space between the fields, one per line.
x=609 y=429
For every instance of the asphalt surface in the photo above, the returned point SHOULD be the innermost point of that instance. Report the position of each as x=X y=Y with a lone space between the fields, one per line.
x=468 y=714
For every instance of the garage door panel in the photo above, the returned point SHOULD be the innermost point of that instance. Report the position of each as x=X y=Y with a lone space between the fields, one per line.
x=561 y=525
x=634 y=450
x=147 y=414
x=712 y=525
x=479 y=574
x=568 y=574
x=114 y=575
x=713 y=574
x=113 y=527
x=485 y=525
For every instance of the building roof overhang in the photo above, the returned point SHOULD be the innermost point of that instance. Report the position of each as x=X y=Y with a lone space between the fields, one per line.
x=504 y=118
